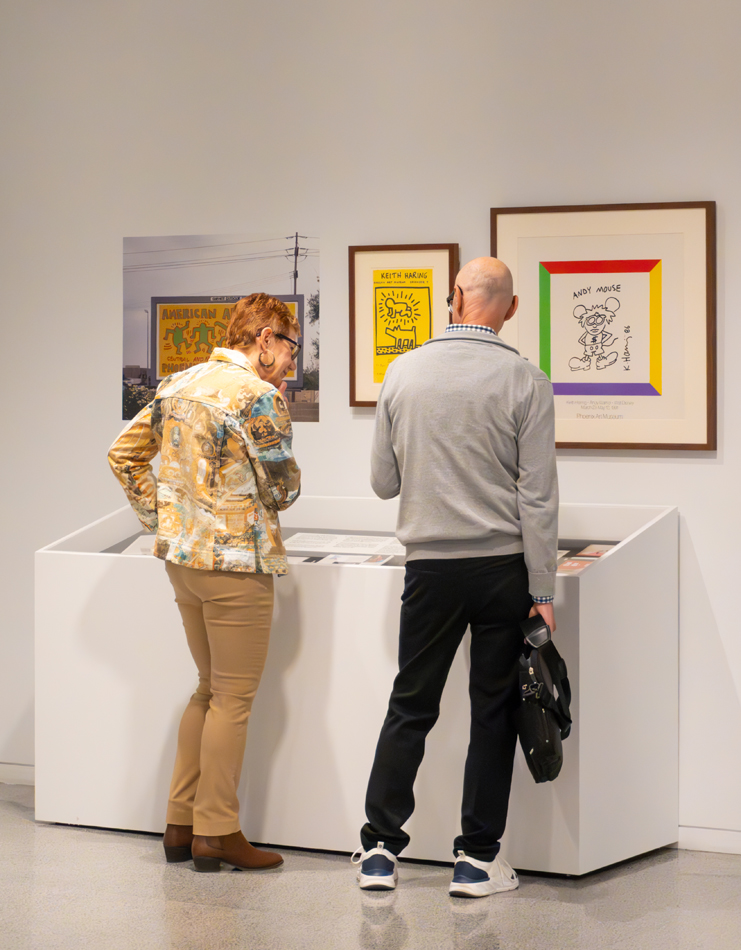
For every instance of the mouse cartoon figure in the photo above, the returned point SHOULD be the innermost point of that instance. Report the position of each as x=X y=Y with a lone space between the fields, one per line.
x=596 y=337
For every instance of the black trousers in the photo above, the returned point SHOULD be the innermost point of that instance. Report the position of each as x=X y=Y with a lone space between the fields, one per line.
x=441 y=599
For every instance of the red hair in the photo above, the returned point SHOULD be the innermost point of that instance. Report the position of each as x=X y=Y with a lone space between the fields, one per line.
x=255 y=312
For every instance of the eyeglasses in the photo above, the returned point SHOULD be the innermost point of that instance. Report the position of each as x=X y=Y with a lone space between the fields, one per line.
x=295 y=347
x=449 y=298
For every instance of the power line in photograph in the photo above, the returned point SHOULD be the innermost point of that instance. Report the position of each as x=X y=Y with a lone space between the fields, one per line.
x=254 y=281
x=197 y=247
x=239 y=259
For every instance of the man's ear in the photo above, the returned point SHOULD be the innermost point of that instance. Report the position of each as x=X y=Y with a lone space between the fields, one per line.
x=457 y=304
x=512 y=309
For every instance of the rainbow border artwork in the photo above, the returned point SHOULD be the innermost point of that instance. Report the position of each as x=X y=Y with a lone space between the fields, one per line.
x=653 y=268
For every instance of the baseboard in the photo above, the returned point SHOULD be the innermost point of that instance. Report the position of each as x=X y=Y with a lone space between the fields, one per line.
x=11 y=774
x=709 y=839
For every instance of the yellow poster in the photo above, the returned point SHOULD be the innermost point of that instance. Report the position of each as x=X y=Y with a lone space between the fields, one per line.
x=187 y=333
x=402 y=315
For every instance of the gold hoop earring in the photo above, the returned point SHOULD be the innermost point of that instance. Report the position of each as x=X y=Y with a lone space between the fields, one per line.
x=266 y=365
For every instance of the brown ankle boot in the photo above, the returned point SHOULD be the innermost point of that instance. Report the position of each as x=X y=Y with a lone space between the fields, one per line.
x=210 y=850
x=177 y=841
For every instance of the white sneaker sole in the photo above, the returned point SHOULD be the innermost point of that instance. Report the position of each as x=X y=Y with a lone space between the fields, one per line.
x=373 y=882
x=481 y=889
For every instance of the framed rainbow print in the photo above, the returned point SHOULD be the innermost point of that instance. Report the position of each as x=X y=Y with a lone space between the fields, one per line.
x=617 y=307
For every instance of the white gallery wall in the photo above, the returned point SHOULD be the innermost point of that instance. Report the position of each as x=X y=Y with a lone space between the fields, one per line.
x=360 y=123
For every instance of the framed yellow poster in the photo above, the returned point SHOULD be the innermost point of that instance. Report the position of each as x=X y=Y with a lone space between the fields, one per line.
x=397 y=302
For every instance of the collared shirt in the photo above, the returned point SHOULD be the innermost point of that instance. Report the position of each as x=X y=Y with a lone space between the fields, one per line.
x=226 y=467
x=452 y=327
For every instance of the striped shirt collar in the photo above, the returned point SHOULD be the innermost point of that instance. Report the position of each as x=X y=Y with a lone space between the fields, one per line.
x=452 y=327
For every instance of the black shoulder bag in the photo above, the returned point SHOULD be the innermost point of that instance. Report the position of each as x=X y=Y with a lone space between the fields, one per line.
x=543 y=717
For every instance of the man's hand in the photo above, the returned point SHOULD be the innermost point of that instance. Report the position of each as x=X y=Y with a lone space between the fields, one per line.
x=283 y=387
x=546 y=612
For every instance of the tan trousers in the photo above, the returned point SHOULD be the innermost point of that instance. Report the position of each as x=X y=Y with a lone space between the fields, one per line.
x=226 y=615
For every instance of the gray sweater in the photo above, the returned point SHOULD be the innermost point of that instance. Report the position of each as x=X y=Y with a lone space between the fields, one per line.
x=465 y=435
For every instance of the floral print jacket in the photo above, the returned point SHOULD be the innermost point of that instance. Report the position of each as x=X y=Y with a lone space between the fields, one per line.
x=226 y=467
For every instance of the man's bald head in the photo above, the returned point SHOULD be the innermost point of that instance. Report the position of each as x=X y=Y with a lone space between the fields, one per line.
x=487 y=278
x=487 y=296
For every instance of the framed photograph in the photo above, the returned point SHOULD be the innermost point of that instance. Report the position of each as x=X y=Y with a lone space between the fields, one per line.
x=617 y=307
x=397 y=301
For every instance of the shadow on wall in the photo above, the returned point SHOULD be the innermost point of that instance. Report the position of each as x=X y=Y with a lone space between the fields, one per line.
x=709 y=707
x=320 y=706
x=18 y=737
x=268 y=719
x=151 y=676
x=274 y=744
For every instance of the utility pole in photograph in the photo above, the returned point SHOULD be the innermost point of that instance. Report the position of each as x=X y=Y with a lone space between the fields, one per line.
x=296 y=250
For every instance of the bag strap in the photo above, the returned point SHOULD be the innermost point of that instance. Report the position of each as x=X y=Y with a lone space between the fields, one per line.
x=557 y=668
x=549 y=657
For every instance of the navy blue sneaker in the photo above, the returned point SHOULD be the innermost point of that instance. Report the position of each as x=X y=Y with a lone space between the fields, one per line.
x=473 y=878
x=378 y=868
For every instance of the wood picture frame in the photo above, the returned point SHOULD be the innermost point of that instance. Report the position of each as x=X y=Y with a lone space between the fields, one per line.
x=611 y=290
x=397 y=301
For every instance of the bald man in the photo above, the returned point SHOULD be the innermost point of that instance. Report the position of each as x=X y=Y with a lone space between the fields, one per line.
x=465 y=436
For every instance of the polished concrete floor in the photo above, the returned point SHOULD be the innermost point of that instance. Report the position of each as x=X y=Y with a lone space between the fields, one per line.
x=63 y=888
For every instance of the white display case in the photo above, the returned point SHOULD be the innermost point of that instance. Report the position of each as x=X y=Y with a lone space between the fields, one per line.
x=113 y=674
